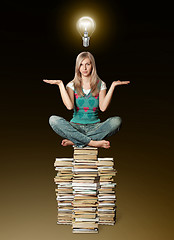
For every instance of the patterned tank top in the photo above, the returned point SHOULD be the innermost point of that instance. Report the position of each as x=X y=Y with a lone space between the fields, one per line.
x=86 y=108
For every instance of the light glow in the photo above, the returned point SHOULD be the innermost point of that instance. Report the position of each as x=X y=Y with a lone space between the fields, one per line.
x=86 y=24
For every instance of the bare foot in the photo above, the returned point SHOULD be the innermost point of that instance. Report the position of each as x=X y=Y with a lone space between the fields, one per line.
x=102 y=143
x=66 y=142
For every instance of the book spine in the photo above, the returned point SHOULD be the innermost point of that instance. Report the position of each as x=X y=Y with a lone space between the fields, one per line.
x=106 y=195
x=85 y=186
x=64 y=192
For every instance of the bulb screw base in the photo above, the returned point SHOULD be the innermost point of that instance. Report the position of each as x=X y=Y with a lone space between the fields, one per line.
x=85 y=39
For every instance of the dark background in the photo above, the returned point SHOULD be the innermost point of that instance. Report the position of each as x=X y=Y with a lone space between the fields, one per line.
x=133 y=41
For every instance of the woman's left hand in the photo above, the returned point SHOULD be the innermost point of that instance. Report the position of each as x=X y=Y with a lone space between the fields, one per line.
x=116 y=83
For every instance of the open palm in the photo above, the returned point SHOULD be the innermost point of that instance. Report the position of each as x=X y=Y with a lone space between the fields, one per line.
x=52 y=81
x=116 y=83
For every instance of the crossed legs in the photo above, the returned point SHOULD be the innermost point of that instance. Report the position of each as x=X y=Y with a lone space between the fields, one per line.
x=85 y=134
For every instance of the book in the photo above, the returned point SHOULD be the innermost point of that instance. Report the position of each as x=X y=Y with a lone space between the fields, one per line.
x=85 y=156
x=86 y=151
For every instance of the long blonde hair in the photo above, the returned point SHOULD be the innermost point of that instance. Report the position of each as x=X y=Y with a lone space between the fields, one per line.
x=94 y=77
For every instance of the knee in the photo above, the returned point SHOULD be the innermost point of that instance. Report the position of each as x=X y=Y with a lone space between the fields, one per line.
x=118 y=120
x=115 y=123
x=53 y=120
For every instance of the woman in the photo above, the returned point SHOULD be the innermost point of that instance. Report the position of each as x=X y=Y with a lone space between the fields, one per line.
x=86 y=93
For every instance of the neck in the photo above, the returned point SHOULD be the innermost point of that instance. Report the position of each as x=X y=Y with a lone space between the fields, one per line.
x=85 y=79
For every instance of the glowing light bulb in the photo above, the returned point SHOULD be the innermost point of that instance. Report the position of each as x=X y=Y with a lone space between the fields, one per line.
x=85 y=26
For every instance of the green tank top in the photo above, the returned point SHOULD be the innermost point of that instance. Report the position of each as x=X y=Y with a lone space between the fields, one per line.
x=86 y=108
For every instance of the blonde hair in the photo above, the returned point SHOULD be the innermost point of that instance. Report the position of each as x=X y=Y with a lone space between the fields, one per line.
x=94 y=77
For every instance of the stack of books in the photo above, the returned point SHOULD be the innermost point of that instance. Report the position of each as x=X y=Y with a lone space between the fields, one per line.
x=85 y=185
x=64 y=191
x=85 y=190
x=106 y=195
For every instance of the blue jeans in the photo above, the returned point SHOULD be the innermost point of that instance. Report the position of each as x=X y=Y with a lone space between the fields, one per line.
x=82 y=134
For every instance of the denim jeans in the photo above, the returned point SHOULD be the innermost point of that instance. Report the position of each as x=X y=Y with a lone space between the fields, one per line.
x=82 y=134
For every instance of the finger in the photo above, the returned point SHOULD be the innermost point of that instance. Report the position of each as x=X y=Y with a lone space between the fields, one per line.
x=125 y=82
x=48 y=82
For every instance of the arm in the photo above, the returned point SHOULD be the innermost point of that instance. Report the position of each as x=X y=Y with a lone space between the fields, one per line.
x=105 y=99
x=66 y=98
x=71 y=95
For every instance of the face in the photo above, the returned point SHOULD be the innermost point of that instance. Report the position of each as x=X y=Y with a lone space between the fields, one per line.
x=85 y=67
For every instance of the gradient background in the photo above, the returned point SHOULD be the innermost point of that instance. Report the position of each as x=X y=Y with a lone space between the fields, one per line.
x=133 y=41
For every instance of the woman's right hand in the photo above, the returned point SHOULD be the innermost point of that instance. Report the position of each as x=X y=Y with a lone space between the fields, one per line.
x=57 y=82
